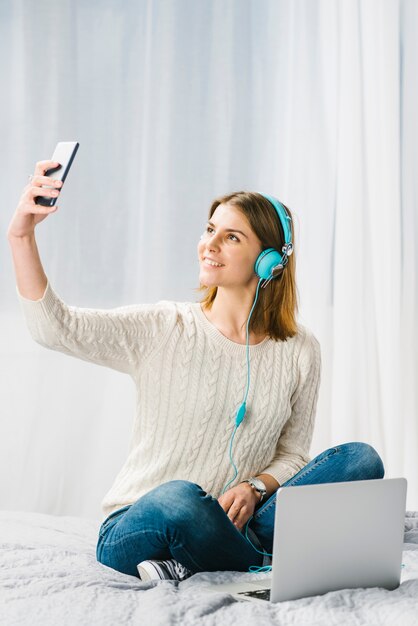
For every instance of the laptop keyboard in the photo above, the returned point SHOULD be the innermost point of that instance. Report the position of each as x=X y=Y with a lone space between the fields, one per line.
x=261 y=594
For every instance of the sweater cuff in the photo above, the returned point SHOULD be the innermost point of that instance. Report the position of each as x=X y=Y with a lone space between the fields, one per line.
x=35 y=309
x=282 y=474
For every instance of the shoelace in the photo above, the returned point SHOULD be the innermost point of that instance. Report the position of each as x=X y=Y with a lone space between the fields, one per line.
x=181 y=570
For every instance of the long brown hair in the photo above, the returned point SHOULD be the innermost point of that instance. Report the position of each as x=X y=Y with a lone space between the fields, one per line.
x=277 y=305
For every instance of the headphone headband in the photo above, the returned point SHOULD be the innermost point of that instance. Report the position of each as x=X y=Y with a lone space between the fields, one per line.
x=283 y=216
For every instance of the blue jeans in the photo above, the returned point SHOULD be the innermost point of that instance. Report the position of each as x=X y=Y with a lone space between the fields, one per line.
x=179 y=520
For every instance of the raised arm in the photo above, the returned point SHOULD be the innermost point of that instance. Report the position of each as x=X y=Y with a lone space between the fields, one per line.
x=30 y=276
x=121 y=338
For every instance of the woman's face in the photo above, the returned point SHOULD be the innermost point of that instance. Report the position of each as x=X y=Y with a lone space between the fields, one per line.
x=229 y=240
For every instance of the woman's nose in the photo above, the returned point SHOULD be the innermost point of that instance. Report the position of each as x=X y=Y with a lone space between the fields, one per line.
x=212 y=245
x=212 y=241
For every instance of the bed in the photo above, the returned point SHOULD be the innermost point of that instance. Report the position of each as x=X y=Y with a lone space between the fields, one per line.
x=49 y=575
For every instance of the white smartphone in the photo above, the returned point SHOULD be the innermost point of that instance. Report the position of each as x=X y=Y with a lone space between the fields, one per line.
x=64 y=154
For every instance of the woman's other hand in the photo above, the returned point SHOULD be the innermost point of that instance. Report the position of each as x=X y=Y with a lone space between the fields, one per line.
x=239 y=503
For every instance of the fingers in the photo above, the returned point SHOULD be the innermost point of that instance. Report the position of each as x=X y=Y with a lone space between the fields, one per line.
x=45 y=180
x=43 y=191
x=230 y=505
x=239 y=504
x=27 y=202
x=39 y=179
x=239 y=514
x=226 y=499
x=42 y=166
x=41 y=185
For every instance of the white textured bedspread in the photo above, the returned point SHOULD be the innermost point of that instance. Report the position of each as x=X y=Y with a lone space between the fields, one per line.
x=49 y=576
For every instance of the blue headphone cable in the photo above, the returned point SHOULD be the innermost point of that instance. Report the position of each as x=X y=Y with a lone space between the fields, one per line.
x=238 y=420
x=242 y=409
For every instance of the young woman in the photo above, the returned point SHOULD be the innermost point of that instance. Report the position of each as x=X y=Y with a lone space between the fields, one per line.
x=226 y=393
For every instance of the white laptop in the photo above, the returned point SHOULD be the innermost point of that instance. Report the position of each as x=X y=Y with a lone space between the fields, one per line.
x=329 y=537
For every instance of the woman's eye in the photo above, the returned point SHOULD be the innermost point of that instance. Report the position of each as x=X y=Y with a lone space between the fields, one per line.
x=209 y=229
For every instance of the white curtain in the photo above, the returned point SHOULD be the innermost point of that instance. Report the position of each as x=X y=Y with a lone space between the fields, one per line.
x=174 y=103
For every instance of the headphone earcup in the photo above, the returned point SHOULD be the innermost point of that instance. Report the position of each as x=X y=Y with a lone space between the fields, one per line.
x=266 y=261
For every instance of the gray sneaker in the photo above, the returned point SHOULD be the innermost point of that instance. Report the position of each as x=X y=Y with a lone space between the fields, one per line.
x=163 y=570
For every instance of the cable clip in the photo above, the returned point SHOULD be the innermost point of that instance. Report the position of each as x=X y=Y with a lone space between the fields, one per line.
x=274 y=273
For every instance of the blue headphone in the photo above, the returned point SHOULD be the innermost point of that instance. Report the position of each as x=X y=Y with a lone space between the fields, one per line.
x=271 y=262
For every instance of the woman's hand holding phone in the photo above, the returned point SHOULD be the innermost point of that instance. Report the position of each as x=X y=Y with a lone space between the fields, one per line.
x=28 y=214
x=37 y=201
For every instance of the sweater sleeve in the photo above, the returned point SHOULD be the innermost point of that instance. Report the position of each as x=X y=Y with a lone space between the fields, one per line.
x=121 y=338
x=292 y=451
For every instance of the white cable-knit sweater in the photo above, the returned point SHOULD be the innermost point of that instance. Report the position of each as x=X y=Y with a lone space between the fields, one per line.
x=190 y=380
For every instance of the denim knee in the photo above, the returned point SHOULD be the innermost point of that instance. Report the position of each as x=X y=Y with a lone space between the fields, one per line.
x=177 y=489
x=371 y=464
x=180 y=499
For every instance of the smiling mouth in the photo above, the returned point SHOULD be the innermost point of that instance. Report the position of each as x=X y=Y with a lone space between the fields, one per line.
x=212 y=263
